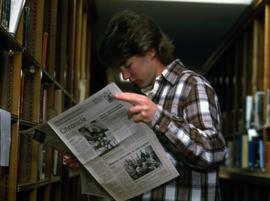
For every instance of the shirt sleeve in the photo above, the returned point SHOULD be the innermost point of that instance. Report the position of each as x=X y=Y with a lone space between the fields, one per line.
x=194 y=135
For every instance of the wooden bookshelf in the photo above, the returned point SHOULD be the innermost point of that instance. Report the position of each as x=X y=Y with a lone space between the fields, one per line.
x=38 y=87
x=245 y=175
x=243 y=184
x=238 y=69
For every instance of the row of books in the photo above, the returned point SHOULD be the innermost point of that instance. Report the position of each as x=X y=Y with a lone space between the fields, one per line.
x=247 y=151
x=250 y=148
x=253 y=113
x=10 y=13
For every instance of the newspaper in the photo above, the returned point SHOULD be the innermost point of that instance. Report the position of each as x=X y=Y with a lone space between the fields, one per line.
x=124 y=157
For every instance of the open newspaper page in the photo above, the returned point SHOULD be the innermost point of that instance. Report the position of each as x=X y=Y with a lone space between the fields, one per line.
x=126 y=158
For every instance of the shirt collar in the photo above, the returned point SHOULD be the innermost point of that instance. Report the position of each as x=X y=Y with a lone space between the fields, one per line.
x=173 y=71
x=147 y=91
x=170 y=73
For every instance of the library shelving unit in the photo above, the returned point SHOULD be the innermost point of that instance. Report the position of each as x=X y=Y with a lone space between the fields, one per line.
x=239 y=70
x=44 y=70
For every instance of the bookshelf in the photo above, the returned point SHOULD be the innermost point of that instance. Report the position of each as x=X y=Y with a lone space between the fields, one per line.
x=239 y=71
x=45 y=69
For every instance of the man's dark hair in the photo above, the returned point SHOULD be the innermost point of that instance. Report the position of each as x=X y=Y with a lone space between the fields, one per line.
x=130 y=34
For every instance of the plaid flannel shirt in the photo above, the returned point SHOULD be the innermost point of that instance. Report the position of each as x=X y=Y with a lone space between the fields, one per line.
x=187 y=123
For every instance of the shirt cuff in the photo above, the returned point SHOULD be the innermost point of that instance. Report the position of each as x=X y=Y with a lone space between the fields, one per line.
x=156 y=116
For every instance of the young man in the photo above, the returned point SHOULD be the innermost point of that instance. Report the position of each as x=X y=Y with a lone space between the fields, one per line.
x=178 y=104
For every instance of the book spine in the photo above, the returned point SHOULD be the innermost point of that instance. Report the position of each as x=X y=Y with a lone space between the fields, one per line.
x=249 y=111
x=6 y=80
x=42 y=162
x=26 y=28
x=252 y=149
x=268 y=107
x=44 y=105
x=267 y=155
x=5 y=137
x=2 y=71
x=1 y=3
x=261 y=155
x=251 y=155
x=22 y=92
x=58 y=107
x=44 y=50
x=244 y=158
x=259 y=110
x=230 y=159
x=239 y=151
x=5 y=14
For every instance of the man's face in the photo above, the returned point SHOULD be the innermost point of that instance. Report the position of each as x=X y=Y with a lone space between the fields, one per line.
x=140 y=70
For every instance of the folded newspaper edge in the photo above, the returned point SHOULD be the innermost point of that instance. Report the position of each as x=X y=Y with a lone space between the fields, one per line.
x=49 y=133
x=44 y=134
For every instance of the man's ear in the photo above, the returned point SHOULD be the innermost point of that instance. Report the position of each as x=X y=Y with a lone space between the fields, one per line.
x=152 y=53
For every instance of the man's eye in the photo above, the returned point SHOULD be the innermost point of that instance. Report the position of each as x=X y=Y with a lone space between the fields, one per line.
x=127 y=66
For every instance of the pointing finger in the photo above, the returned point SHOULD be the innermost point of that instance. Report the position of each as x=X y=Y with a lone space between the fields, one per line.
x=129 y=97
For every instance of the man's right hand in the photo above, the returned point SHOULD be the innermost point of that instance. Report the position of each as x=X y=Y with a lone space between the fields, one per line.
x=71 y=161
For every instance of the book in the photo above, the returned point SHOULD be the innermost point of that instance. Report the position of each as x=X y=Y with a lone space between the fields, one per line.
x=239 y=143
x=42 y=147
x=120 y=155
x=16 y=8
x=244 y=151
x=21 y=93
x=2 y=68
x=44 y=50
x=5 y=14
x=259 y=109
x=230 y=159
x=5 y=81
x=268 y=107
x=252 y=134
x=267 y=155
x=249 y=111
x=256 y=150
x=26 y=27
x=5 y=137
x=58 y=107
x=261 y=152
x=44 y=105
x=42 y=162
x=58 y=101
x=1 y=1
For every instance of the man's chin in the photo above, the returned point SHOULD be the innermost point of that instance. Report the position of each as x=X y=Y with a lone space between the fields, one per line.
x=140 y=85
x=135 y=84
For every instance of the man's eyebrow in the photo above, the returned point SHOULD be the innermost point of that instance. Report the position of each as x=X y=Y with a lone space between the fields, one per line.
x=122 y=63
